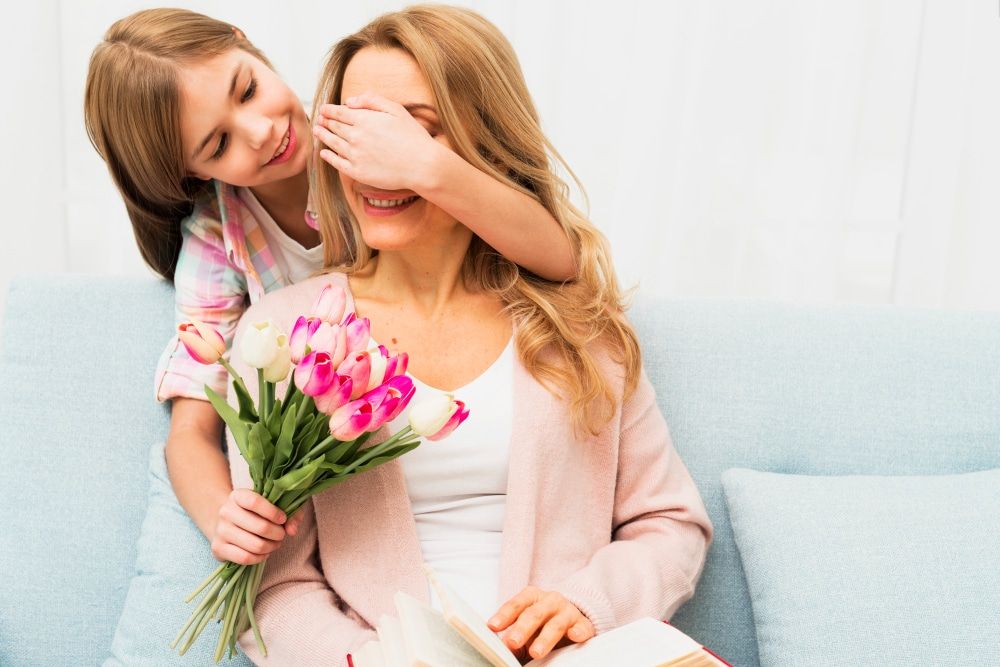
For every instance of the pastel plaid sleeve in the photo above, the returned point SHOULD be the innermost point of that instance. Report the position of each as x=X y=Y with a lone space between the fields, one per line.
x=208 y=288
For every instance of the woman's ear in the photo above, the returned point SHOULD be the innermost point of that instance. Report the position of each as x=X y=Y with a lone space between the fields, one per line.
x=239 y=33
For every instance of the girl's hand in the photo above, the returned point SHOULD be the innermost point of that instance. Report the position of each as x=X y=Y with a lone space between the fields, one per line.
x=377 y=142
x=249 y=528
x=540 y=620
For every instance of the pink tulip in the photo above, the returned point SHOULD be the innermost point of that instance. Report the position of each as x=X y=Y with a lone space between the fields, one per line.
x=202 y=342
x=350 y=421
x=358 y=333
x=336 y=396
x=457 y=417
x=301 y=333
x=388 y=400
x=396 y=365
x=358 y=367
x=315 y=374
x=330 y=304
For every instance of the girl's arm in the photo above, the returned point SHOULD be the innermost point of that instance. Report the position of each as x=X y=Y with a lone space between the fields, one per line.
x=240 y=524
x=379 y=143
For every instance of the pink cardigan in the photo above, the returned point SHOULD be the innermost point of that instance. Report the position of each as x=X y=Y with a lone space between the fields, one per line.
x=614 y=522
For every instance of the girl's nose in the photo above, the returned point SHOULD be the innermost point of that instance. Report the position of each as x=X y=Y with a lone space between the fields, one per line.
x=258 y=130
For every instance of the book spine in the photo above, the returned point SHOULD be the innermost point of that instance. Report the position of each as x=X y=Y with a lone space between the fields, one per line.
x=716 y=656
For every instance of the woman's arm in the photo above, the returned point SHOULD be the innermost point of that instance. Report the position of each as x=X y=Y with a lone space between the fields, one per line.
x=379 y=143
x=660 y=528
x=297 y=611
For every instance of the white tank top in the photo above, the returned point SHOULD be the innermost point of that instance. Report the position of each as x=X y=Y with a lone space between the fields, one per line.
x=458 y=487
x=295 y=262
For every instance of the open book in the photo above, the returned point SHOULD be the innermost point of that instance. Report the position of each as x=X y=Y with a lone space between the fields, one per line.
x=425 y=637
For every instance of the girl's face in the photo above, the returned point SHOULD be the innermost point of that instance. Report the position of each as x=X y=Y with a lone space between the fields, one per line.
x=240 y=123
x=395 y=219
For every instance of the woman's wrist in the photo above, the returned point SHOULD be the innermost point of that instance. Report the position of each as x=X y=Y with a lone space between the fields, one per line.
x=430 y=177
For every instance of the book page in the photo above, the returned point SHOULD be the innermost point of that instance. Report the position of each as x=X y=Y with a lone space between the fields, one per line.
x=643 y=643
x=429 y=640
x=460 y=616
x=369 y=655
x=390 y=636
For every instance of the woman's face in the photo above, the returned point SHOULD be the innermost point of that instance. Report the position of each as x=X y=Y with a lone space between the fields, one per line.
x=394 y=219
x=240 y=123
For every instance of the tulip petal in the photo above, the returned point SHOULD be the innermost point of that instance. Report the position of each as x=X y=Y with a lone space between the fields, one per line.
x=453 y=422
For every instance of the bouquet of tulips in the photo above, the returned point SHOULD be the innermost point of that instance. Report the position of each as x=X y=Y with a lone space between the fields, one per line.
x=339 y=393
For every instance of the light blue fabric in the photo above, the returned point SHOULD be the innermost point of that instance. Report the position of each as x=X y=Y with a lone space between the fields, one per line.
x=173 y=559
x=836 y=390
x=77 y=419
x=862 y=570
x=793 y=389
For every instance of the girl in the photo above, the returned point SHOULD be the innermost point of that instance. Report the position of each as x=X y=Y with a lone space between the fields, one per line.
x=559 y=509
x=209 y=149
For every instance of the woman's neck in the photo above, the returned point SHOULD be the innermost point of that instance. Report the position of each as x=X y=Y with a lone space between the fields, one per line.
x=427 y=280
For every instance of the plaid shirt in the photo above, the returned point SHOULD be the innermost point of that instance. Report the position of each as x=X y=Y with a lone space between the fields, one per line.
x=224 y=265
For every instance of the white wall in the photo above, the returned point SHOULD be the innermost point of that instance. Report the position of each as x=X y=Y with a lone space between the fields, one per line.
x=802 y=150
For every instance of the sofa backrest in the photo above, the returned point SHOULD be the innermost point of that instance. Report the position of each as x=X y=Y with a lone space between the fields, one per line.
x=77 y=419
x=881 y=390
x=843 y=390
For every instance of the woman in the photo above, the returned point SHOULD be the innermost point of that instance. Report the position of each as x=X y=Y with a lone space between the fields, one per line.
x=567 y=512
x=209 y=149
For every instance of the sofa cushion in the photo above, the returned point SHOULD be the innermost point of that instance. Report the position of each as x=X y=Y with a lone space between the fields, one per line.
x=173 y=558
x=77 y=418
x=857 y=570
x=817 y=390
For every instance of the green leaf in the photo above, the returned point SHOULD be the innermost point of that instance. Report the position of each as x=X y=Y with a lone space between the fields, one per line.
x=237 y=426
x=283 y=447
x=261 y=451
x=274 y=419
x=299 y=478
x=248 y=412
x=385 y=457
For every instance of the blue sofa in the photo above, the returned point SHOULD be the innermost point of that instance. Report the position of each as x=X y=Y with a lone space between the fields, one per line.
x=781 y=388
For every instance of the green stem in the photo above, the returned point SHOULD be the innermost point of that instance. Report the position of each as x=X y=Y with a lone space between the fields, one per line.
x=197 y=614
x=232 y=372
x=232 y=605
x=373 y=452
x=318 y=449
x=291 y=390
x=207 y=581
x=223 y=594
x=261 y=396
x=250 y=596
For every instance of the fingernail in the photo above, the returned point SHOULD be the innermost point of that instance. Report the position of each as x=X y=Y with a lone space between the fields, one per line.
x=514 y=639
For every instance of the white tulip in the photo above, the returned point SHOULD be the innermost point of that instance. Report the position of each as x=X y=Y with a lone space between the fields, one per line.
x=260 y=344
x=278 y=369
x=429 y=416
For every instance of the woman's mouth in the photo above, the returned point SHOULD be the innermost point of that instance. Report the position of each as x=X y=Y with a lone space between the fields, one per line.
x=382 y=205
x=285 y=149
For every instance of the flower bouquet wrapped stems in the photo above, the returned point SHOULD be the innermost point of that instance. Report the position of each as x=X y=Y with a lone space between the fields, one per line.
x=339 y=393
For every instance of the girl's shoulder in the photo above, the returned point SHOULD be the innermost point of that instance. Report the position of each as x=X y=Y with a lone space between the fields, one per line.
x=205 y=219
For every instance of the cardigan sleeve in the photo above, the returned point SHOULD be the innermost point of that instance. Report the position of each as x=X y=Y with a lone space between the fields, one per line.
x=660 y=531
x=297 y=612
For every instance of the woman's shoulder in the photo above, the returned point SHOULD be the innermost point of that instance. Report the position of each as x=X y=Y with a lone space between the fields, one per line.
x=283 y=306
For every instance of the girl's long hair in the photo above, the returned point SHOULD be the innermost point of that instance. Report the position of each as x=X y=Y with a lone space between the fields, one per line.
x=485 y=109
x=132 y=114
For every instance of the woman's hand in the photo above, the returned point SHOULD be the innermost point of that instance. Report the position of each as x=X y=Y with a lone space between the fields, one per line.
x=249 y=528
x=377 y=142
x=540 y=620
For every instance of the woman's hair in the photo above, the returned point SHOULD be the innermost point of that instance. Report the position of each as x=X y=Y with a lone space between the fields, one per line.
x=485 y=109
x=132 y=114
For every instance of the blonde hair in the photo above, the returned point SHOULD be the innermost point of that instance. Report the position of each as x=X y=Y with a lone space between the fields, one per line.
x=132 y=115
x=485 y=109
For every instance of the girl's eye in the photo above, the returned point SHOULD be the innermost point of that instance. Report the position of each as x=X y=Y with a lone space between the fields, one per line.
x=251 y=89
x=223 y=142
